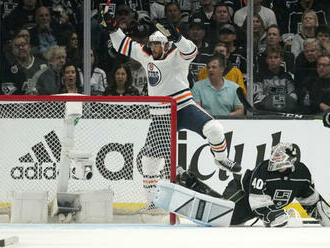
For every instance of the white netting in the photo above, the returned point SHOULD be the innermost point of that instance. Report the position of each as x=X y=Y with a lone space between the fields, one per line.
x=114 y=133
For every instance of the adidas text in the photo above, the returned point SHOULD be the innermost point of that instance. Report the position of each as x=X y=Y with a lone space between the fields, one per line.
x=37 y=171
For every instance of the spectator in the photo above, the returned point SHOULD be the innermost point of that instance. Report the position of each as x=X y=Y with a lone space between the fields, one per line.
x=274 y=90
x=187 y=7
x=216 y=94
x=139 y=76
x=308 y=28
x=237 y=57
x=49 y=82
x=71 y=79
x=259 y=33
x=230 y=73
x=323 y=36
x=157 y=9
x=205 y=12
x=73 y=49
x=121 y=82
x=305 y=68
x=266 y=14
x=22 y=16
x=45 y=34
x=292 y=23
x=220 y=17
x=173 y=15
x=22 y=32
x=273 y=39
x=196 y=33
x=19 y=70
x=98 y=81
x=320 y=93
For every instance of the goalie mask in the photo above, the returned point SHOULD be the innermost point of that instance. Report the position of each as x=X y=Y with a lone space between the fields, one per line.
x=283 y=155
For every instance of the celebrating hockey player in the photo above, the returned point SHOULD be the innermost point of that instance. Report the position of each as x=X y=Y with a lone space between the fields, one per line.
x=167 y=67
x=264 y=191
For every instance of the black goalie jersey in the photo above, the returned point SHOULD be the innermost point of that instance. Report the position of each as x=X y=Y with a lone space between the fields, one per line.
x=267 y=192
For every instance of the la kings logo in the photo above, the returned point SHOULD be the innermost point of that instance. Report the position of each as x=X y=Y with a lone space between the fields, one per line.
x=282 y=197
x=41 y=161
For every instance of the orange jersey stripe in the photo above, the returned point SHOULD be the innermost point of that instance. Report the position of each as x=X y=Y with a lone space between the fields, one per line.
x=189 y=56
x=219 y=147
x=183 y=96
x=126 y=45
x=150 y=181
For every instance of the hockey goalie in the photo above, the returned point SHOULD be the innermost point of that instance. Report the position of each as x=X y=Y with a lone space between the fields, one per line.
x=261 y=193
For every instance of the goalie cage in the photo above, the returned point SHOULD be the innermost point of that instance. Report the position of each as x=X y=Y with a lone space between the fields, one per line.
x=112 y=129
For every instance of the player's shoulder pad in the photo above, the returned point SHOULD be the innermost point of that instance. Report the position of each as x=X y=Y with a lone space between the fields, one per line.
x=262 y=169
x=301 y=171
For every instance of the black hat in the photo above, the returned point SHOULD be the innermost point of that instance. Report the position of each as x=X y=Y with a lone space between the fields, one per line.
x=227 y=29
x=197 y=22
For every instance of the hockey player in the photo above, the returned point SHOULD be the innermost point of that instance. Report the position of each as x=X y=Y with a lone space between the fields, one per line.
x=268 y=188
x=167 y=68
x=326 y=118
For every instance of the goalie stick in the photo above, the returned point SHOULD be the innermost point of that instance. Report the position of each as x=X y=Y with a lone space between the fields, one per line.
x=249 y=108
x=8 y=241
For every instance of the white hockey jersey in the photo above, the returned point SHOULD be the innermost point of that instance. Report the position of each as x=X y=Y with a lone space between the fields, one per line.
x=167 y=77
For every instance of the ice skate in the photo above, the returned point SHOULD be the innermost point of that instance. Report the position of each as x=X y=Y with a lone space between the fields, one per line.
x=229 y=165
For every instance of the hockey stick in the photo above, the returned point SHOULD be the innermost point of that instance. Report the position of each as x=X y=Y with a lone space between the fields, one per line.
x=249 y=108
x=9 y=241
x=106 y=9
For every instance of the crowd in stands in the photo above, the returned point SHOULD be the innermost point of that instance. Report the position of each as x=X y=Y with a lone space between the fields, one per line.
x=42 y=50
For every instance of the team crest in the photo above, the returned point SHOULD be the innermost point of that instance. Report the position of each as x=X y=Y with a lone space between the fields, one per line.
x=282 y=197
x=154 y=74
x=14 y=69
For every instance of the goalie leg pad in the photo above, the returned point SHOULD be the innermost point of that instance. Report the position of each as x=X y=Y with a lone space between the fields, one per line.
x=199 y=208
x=323 y=213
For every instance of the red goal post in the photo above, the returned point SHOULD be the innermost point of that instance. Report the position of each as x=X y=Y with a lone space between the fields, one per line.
x=31 y=139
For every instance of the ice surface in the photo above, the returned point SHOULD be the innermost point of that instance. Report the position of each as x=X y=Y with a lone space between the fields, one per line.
x=185 y=235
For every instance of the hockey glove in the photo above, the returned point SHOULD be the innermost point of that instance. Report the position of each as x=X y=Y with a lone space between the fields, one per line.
x=169 y=30
x=326 y=118
x=109 y=22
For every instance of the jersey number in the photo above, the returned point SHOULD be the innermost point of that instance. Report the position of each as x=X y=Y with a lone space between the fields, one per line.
x=257 y=183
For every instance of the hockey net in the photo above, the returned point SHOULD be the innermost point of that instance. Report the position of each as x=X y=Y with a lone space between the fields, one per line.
x=113 y=130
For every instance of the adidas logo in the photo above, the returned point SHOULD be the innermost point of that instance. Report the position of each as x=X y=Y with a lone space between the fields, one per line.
x=44 y=157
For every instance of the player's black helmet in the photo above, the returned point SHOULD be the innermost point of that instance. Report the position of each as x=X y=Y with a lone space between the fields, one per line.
x=284 y=155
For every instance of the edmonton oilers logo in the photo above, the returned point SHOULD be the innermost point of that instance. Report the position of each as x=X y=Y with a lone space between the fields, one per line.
x=154 y=74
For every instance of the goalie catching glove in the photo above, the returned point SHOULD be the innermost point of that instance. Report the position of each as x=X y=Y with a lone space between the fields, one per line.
x=169 y=30
x=326 y=118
